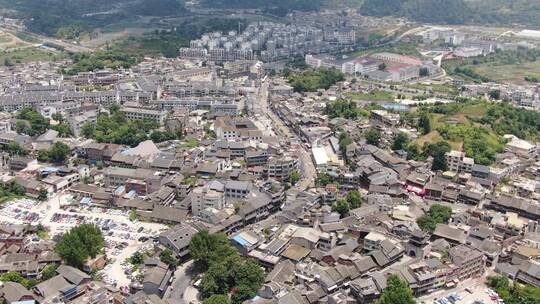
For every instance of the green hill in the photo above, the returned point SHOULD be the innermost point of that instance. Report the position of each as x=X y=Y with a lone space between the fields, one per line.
x=72 y=16
x=492 y=12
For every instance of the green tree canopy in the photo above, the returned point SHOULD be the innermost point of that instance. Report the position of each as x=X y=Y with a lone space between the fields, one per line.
x=226 y=271
x=13 y=276
x=49 y=271
x=438 y=151
x=516 y=294
x=80 y=243
x=401 y=140
x=295 y=177
x=438 y=214
x=373 y=137
x=312 y=80
x=207 y=248
x=32 y=123
x=396 y=292
x=167 y=257
x=341 y=206
x=354 y=199
x=424 y=123
x=15 y=148
x=217 y=299
x=59 y=152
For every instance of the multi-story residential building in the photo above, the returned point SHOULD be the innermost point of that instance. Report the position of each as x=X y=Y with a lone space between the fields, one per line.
x=373 y=240
x=237 y=189
x=228 y=128
x=529 y=273
x=214 y=105
x=520 y=147
x=429 y=276
x=207 y=196
x=143 y=181
x=77 y=122
x=458 y=162
x=177 y=239
x=280 y=168
x=256 y=157
x=384 y=118
x=469 y=262
x=134 y=113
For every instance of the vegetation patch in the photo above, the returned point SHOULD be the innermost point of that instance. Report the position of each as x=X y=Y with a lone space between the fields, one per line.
x=88 y=62
x=507 y=66
x=313 y=80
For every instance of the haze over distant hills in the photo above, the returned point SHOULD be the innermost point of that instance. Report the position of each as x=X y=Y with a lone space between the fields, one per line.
x=48 y=16
x=51 y=16
x=492 y=12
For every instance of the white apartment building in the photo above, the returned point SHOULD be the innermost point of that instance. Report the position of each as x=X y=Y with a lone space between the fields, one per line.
x=520 y=147
x=206 y=197
x=142 y=113
x=373 y=240
x=458 y=162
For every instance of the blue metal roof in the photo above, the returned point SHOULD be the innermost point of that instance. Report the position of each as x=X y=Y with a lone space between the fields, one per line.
x=240 y=240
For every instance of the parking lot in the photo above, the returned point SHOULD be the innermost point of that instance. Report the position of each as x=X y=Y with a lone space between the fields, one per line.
x=467 y=292
x=122 y=236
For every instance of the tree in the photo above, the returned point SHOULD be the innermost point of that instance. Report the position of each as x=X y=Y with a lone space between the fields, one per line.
x=424 y=123
x=424 y=72
x=248 y=278
x=354 y=199
x=58 y=117
x=295 y=177
x=516 y=294
x=8 y=62
x=400 y=141
x=312 y=80
x=438 y=151
x=12 y=276
x=497 y=282
x=167 y=257
x=323 y=179
x=43 y=194
x=226 y=270
x=437 y=214
x=396 y=292
x=206 y=248
x=341 y=207
x=44 y=156
x=344 y=141
x=413 y=151
x=242 y=293
x=217 y=299
x=373 y=137
x=59 y=152
x=15 y=148
x=49 y=271
x=495 y=94
x=79 y=244
x=137 y=258
x=382 y=66
x=31 y=122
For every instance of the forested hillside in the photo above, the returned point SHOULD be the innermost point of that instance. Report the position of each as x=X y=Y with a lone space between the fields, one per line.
x=53 y=17
x=494 y=12
x=280 y=7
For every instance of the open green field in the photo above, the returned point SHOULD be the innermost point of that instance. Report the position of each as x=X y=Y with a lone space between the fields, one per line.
x=511 y=73
x=375 y=95
x=461 y=116
x=30 y=54
x=504 y=67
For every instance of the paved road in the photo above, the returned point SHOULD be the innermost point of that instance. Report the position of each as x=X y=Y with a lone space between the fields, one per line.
x=176 y=294
x=306 y=167
x=70 y=47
